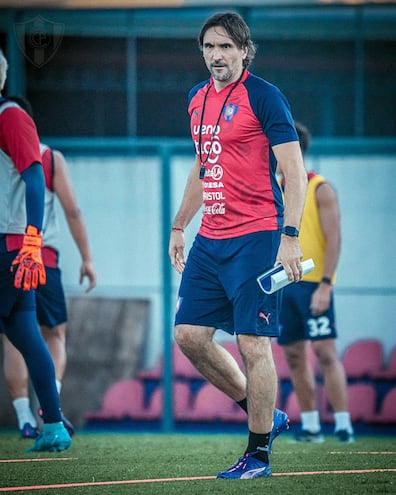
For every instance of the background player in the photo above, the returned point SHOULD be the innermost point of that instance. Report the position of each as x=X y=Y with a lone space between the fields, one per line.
x=21 y=217
x=307 y=315
x=50 y=298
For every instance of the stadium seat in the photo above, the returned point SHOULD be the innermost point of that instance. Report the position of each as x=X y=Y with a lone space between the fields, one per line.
x=122 y=399
x=211 y=404
x=387 y=412
x=362 y=400
x=363 y=358
x=389 y=372
x=182 y=409
x=181 y=402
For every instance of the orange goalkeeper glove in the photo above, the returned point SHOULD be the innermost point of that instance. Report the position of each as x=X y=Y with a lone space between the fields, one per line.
x=31 y=270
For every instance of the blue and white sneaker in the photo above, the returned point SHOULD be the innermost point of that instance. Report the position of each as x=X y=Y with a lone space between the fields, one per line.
x=281 y=423
x=54 y=438
x=247 y=467
x=29 y=431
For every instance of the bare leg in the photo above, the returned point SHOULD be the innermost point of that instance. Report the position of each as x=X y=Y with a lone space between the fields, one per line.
x=334 y=374
x=261 y=381
x=301 y=375
x=15 y=371
x=17 y=380
x=211 y=359
x=218 y=366
x=55 y=339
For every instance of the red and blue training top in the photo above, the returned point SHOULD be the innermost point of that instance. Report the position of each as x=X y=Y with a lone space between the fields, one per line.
x=240 y=192
x=19 y=150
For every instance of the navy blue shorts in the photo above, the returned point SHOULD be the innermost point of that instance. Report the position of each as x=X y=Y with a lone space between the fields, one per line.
x=296 y=320
x=50 y=300
x=12 y=299
x=219 y=287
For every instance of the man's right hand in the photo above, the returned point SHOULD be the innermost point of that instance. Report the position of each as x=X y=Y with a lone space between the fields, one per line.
x=176 y=250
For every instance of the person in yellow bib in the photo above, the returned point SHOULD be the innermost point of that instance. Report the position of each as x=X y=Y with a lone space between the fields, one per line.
x=307 y=314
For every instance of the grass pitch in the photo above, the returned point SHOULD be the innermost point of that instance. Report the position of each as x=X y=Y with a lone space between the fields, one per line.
x=142 y=464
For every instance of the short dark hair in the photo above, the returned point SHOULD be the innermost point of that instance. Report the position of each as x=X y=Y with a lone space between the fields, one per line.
x=303 y=135
x=237 y=30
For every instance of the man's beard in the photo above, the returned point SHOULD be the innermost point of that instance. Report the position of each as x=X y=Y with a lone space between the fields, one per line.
x=221 y=77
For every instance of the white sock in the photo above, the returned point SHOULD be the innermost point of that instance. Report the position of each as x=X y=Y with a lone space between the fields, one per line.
x=58 y=386
x=310 y=421
x=342 y=421
x=23 y=412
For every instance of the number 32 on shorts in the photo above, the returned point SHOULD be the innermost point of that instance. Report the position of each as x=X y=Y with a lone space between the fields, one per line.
x=319 y=327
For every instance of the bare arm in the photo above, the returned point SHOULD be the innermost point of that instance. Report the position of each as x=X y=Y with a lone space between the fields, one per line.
x=191 y=203
x=291 y=165
x=329 y=215
x=64 y=190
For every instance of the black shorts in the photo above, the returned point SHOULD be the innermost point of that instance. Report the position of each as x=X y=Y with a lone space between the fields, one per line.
x=296 y=320
x=50 y=300
x=12 y=299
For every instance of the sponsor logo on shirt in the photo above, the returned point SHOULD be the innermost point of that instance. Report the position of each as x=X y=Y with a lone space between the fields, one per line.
x=215 y=209
x=229 y=111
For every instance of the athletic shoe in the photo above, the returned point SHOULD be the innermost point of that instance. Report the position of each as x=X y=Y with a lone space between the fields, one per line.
x=54 y=438
x=247 y=467
x=29 y=431
x=281 y=423
x=344 y=436
x=66 y=423
x=69 y=427
x=307 y=436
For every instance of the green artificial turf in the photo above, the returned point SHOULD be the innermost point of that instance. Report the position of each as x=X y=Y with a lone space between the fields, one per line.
x=111 y=457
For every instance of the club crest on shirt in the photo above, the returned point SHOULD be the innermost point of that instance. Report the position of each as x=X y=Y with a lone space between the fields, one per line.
x=229 y=111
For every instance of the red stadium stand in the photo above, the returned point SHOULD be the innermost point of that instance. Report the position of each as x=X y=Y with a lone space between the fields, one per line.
x=363 y=358
x=387 y=413
x=388 y=373
x=211 y=404
x=124 y=398
x=362 y=400
x=181 y=402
